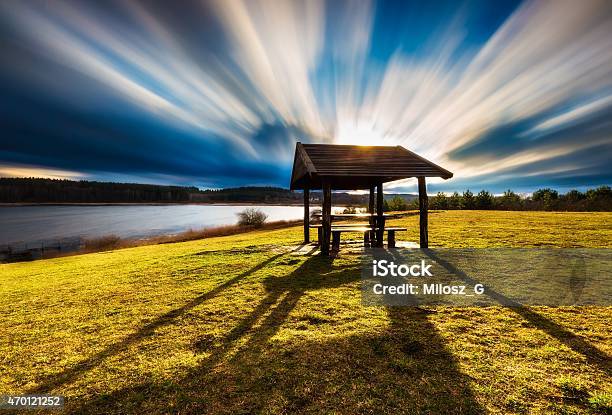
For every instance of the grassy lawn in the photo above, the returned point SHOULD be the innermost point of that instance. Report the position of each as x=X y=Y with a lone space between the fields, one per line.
x=241 y=324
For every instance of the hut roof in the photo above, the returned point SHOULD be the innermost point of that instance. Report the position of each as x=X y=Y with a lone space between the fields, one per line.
x=357 y=167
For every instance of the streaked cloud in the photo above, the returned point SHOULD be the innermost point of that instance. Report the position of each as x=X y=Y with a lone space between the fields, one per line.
x=572 y=116
x=482 y=89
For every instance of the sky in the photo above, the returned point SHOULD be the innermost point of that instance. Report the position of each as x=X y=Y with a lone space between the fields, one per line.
x=216 y=93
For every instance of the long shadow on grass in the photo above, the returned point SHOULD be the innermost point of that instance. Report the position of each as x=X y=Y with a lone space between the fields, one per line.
x=70 y=374
x=405 y=368
x=571 y=340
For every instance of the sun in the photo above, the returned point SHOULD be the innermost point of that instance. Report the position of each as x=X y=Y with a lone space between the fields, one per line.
x=359 y=132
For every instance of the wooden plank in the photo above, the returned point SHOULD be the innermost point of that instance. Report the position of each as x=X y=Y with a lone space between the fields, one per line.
x=341 y=225
x=326 y=219
x=354 y=229
x=306 y=158
x=306 y=215
x=423 y=208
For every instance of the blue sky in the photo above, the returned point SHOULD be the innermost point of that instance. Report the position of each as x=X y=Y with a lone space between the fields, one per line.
x=216 y=93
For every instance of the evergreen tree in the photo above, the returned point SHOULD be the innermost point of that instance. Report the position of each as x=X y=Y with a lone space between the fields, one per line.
x=439 y=201
x=467 y=200
x=454 y=202
x=484 y=200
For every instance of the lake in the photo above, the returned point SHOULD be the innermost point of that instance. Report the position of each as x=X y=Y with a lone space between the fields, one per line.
x=28 y=224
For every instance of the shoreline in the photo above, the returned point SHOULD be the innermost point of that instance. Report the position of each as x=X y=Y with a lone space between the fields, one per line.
x=61 y=247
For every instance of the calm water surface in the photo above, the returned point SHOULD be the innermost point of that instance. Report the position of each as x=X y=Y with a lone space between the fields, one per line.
x=40 y=223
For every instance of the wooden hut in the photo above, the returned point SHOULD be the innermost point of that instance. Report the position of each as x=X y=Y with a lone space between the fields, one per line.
x=349 y=167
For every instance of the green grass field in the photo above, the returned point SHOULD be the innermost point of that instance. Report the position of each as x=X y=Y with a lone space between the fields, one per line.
x=241 y=324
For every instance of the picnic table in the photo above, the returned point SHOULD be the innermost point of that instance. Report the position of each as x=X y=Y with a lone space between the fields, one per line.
x=361 y=215
x=373 y=231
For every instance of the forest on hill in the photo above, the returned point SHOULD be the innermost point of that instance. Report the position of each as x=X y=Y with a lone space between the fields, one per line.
x=39 y=190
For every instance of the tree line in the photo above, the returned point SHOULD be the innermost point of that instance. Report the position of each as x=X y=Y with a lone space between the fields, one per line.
x=37 y=190
x=247 y=194
x=277 y=195
x=599 y=199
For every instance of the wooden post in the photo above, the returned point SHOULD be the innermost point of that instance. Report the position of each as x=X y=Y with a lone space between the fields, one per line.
x=423 y=207
x=306 y=214
x=391 y=239
x=336 y=241
x=372 y=236
x=371 y=204
x=380 y=222
x=326 y=218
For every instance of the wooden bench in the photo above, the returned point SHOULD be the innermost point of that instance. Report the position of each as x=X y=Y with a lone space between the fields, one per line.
x=390 y=236
x=319 y=228
x=364 y=228
x=337 y=231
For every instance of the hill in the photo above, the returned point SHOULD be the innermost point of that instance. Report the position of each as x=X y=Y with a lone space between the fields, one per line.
x=245 y=324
